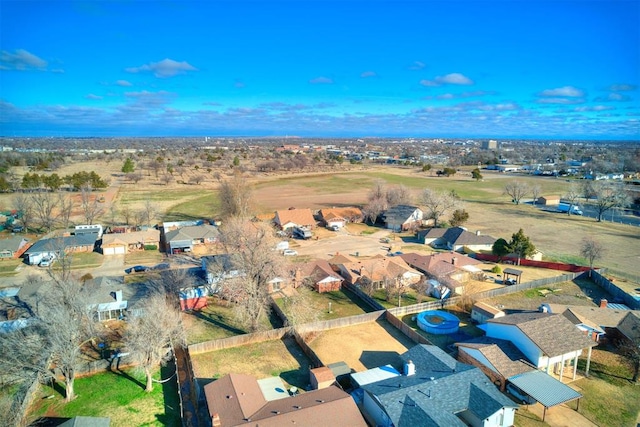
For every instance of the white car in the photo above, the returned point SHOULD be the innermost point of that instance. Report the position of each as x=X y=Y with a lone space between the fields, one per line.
x=46 y=261
x=289 y=252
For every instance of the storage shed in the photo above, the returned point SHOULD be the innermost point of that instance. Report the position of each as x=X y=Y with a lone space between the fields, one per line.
x=481 y=312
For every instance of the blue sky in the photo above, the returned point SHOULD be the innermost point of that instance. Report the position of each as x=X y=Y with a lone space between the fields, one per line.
x=472 y=69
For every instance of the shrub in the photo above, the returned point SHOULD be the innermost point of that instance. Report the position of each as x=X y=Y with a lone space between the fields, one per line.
x=496 y=270
x=150 y=247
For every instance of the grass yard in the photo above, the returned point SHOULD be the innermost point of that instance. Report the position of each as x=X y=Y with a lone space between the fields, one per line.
x=8 y=267
x=409 y=298
x=148 y=258
x=85 y=260
x=120 y=396
x=363 y=346
x=609 y=397
x=282 y=358
x=343 y=303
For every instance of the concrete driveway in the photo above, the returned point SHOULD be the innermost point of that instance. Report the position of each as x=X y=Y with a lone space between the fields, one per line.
x=344 y=243
x=112 y=265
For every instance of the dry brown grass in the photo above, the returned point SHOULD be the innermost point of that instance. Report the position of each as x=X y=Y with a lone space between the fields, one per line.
x=363 y=346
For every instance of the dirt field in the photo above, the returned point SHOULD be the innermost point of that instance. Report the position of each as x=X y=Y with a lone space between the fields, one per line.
x=362 y=346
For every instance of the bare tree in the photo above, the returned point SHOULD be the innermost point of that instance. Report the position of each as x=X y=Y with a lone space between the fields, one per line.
x=517 y=190
x=45 y=209
x=399 y=195
x=23 y=204
x=373 y=209
x=235 y=197
x=167 y=178
x=609 y=196
x=66 y=208
x=572 y=195
x=250 y=245
x=437 y=204
x=134 y=177
x=592 y=250
x=127 y=213
x=535 y=193
x=196 y=179
x=299 y=308
x=151 y=336
x=91 y=208
x=148 y=213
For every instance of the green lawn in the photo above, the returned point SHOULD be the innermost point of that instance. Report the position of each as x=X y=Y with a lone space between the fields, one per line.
x=205 y=204
x=85 y=260
x=213 y=322
x=148 y=258
x=609 y=396
x=120 y=396
x=343 y=303
x=410 y=298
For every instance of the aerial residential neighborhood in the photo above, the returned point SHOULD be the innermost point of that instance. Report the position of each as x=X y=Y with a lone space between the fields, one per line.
x=328 y=307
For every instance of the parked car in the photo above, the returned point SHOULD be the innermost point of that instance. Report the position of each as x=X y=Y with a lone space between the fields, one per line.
x=17 y=229
x=520 y=395
x=289 y=252
x=333 y=228
x=46 y=261
x=136 y=269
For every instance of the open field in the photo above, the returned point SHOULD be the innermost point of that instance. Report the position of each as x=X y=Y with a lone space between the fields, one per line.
x=363 y=346
x=282 y=358
x=118 y=395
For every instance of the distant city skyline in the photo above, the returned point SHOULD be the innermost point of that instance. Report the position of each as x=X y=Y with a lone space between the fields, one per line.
x=495 y=69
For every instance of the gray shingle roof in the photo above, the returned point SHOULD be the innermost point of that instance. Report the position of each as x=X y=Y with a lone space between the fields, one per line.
x=58 y=243
x=502 y=355
x=440 y=388
x=399 y=213
x=190 y=232
x=553 y=334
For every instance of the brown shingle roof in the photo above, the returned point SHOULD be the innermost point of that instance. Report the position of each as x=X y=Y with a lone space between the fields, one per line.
x=504 y=357
x=348 y=213
x=553 y=334
x=300 y=217
x=149 y=235
x=238 y=401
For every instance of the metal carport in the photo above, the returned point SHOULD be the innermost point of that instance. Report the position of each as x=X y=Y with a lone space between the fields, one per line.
x=545 y=389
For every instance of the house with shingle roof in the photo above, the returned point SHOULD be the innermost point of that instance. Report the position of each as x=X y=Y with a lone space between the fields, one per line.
x=13 y=247
x=455 y=239
x=378 y=269
x=549 y=341
x=292 y=218
x=54 y=245
x=190 y=238
x=321 y=276
x=122 y=243
x=339 y=217
x=402 y=217
x=436 y=390
x=239 y=400
x=452 y=266
x=498 y=359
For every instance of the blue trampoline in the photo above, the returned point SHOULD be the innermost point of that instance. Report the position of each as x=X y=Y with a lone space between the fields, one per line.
x=438 y=322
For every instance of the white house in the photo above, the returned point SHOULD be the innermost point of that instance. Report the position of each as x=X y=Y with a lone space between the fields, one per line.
x=549 y=341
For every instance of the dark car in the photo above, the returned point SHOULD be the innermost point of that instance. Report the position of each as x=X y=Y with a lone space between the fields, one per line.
x=136 y=269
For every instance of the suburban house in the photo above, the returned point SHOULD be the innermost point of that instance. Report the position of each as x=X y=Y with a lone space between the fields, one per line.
x=191 y=238
x=292 y=218
x=451 y=268
x=320 y=275
x=339 y=217
x=241 y=400
x=455 y=239
x=600 y=323
x=53 y=246
x=13 y=247
x=379 y=269
x=122 y=243
x=112 y=298
x=218 y=268
x=402 y=217
x=436 y=390
x=629 y=327
x=548 y=341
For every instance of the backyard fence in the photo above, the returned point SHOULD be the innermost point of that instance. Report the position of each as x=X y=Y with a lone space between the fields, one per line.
x=256 y=337
x=406 y=329
x=315 y=360
x=524 y=286
x=532 y=263
x=615 y=291
x=340 y=322
x=364 y=297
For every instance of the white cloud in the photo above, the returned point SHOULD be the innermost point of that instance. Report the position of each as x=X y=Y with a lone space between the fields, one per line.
x=163 y=69
x=21 y=60
x=417 y=65
x=448 y=79
x=123 y=83
x=594 y=108
x=366 y=74
x=613 y=97
x=568 y=91
x=560 y=101
x=92 y=96
x=321 y=80
x=622 y=87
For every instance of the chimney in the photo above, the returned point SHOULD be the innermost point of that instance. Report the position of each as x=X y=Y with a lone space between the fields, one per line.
x=454 y=260
x=409 y=368
x=478 y=233
x=603 y=303
x=215 y=420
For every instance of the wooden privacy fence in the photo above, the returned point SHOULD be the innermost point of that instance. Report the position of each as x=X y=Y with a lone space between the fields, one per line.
x=219 y=344
x=615 y=291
